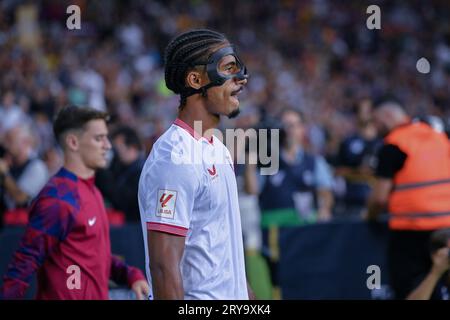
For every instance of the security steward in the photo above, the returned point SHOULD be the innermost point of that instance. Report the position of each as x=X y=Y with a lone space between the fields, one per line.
x=413 y=184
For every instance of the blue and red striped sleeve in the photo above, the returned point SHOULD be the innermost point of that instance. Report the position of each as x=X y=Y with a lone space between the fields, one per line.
x=123 y=274
x=50 y=222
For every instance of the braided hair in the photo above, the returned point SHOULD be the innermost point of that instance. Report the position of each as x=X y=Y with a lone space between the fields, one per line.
x=183 y=52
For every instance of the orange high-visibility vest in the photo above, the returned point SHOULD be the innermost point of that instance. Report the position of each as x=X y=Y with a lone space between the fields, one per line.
x=420 y=199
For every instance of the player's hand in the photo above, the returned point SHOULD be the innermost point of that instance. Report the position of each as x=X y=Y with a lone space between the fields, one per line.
x=141 y=289
x=441 y=262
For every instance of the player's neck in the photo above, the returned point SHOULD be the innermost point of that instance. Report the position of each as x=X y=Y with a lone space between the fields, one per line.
x=191 y=115
x=78 y=168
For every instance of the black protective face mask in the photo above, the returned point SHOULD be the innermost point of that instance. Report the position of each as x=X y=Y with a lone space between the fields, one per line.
x=219 y=73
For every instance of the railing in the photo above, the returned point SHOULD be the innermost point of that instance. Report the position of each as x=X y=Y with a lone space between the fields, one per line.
x=322 y=261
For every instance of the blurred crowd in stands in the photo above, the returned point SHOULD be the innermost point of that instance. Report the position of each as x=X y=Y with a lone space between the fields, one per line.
x=316 y=57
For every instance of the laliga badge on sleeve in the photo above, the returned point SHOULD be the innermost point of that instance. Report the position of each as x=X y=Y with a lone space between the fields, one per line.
x=166 y=203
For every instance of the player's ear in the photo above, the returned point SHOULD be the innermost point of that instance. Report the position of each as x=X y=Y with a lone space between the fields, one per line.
x=71 y=141
x=196 y=79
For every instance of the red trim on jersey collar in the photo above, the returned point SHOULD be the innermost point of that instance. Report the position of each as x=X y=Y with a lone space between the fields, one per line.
x=191 y=131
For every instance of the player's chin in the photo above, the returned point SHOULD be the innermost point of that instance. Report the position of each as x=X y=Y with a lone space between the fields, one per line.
x=234 y=101
x=233 y=112
x=102 y=164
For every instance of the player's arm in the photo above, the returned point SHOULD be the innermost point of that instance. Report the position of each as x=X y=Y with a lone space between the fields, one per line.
x=390 y=160
x=379 y=197
x=167 y=192
x=165 y=252
x=49 y=224
x=124 y=274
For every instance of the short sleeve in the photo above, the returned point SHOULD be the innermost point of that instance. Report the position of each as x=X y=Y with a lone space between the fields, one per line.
x=390 y=160
x=166 y=195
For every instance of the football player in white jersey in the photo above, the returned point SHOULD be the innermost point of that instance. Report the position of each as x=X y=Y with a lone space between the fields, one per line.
x=189 y=204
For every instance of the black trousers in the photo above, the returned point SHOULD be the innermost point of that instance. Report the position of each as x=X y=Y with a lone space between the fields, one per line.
x=409 y=260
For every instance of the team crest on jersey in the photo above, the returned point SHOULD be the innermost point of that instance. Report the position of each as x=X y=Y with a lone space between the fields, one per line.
x=212 y=172
x=166 y=203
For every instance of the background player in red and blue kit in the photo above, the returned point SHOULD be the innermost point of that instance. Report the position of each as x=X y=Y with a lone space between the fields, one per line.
x=68 y=228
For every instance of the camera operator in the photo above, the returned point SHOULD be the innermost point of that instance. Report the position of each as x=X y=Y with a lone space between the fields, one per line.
x=436 y=284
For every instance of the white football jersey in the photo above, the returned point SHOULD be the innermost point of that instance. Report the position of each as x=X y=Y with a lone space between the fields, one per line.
x=188 y=188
